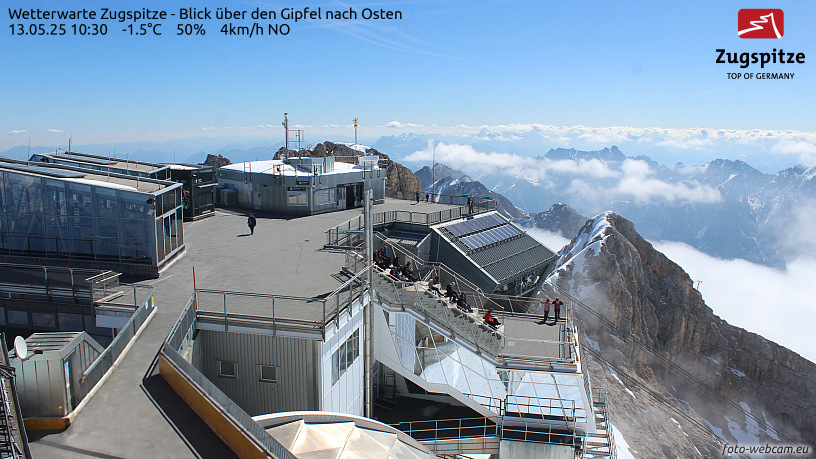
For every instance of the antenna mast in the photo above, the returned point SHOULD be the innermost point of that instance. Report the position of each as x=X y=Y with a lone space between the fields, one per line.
x=286 y=135
x=356 y=122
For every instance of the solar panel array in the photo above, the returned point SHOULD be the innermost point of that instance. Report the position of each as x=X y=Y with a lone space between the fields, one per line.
x=475 y=241
x=477 y=224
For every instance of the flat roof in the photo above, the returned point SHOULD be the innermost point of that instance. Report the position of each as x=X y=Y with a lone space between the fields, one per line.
x=85 y=176
x=96 y=160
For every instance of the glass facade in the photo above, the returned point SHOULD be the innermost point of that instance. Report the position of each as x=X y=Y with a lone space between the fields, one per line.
x=46 y=217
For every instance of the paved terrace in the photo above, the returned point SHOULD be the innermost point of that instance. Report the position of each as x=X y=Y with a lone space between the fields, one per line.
x=135 y=414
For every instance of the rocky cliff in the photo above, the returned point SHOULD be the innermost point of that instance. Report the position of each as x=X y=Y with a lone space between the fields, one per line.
x=668 y=359
x=559 y=218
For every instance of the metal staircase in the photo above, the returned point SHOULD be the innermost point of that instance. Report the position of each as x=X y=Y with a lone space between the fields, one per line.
x=601 y=443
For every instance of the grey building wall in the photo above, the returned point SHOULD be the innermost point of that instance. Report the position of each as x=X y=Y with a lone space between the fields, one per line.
x=297 y=363
x=271 y=192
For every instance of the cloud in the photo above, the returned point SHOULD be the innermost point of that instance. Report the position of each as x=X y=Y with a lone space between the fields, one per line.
x=17 y=131
x=552 y=241
x=777 y=304
x=591 y=179
x=637 y=185
x=397 y=124
x=208 y=128
x=54 y=131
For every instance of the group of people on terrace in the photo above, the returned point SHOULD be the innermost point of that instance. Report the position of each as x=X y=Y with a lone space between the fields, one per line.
x=405 y=273
x=393 y=266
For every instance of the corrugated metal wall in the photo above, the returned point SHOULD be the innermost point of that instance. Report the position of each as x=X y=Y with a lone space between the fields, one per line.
x=297 y=361
x=445 y=252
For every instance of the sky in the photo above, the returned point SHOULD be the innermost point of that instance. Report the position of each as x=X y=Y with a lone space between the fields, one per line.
x=445 y=65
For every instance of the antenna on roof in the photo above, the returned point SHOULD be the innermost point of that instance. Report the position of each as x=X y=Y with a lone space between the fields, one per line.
x=69 y=143
x=286 y=136
x=356 y=122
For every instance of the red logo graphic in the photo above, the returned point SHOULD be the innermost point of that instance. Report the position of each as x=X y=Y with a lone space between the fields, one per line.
x=761 y=23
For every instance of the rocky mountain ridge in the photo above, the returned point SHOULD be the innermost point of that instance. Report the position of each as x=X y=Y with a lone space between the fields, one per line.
x=655 y=328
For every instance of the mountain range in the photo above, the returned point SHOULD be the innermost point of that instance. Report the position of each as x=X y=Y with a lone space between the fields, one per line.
x=724 y=208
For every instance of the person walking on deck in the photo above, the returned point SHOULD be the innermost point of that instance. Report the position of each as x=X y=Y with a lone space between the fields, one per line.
x=251 y=224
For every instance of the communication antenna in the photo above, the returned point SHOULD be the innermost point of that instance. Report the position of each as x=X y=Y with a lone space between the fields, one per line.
x=286 y=136
x=433 y=174
x=69 y=143
x=292 y=136
x=20 y=347
x=356 y=122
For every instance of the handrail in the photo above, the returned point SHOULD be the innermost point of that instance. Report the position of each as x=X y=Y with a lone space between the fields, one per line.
x=421 y=218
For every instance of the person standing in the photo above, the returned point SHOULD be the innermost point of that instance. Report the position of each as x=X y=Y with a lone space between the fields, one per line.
x=427 y=197
x=545 y=304
x=417 y=197
x=557 y=305
x=251 y=224
x=470 y=204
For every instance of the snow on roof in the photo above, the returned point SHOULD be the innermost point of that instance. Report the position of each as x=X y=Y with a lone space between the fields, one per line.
x=356 y=146
x=278 y=167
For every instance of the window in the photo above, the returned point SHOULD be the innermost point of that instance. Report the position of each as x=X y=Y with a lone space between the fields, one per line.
x=345 y=356
x=297 y=198
x=269 y=373
x=323 y=197
x=227 y=369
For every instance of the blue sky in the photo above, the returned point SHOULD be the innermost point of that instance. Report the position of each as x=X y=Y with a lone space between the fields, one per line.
x=446 y=63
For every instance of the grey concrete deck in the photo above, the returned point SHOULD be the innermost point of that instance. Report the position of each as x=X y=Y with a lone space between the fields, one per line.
x=531 y=339
x=135 y=414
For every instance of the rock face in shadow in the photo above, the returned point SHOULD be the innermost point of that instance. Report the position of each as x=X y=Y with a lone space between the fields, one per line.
x=655 y=327
x=559 y=218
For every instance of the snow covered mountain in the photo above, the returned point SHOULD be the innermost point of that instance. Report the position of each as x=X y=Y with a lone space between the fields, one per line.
x=451 y=182
x=724 y=208
x=680 y=378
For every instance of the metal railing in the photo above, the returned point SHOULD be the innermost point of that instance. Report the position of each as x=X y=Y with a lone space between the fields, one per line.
x=280 y=312
x=94 y=373
x=483 y=434
x=343 y=236
x=103 y=285
x=466 y=326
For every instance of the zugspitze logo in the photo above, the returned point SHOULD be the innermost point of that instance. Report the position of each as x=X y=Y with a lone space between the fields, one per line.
x=761 y=23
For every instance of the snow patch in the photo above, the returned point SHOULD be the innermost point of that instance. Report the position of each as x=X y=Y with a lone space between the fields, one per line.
x=736 y=372
x=621 y=446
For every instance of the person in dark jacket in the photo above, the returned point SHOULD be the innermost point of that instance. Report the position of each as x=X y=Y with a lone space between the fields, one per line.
x=462 y=303
x=557 y=306
x=451 y=293
x=251 y=224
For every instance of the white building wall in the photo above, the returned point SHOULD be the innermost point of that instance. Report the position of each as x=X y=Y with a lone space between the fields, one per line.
x=346 y=395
